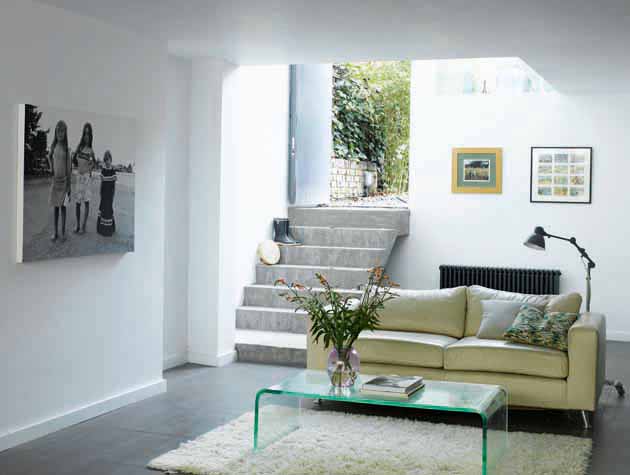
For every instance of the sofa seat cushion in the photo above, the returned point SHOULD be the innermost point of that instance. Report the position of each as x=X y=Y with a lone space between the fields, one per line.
x=475 y=354
x=426 y=311
x=403 y=348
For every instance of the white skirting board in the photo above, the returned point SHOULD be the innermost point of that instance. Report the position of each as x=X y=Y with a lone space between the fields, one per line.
x=48 y=426
x=212 y=360
x=174 y=360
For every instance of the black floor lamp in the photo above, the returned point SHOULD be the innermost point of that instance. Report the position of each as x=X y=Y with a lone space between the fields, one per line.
x=537 y=241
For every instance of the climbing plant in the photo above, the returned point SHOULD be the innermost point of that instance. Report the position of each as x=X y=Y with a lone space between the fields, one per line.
x=371 y=118
x=357 y=123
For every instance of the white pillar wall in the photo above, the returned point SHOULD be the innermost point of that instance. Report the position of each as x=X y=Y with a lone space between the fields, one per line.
x=176 y=209
x=238 y=161
x=206 y=94
x=313 y=133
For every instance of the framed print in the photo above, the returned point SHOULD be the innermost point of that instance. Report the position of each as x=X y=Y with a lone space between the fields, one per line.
x=76 y=183
x=477 y=170
x=561 y=175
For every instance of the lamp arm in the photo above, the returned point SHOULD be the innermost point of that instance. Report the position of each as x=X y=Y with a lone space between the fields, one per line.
x=581 y=250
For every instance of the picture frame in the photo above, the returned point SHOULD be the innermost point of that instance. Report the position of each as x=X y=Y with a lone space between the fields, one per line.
x=561 y=175
x=76 y=176
x=477 y=170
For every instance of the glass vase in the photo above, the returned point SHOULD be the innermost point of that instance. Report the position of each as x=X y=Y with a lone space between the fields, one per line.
x=343 y=367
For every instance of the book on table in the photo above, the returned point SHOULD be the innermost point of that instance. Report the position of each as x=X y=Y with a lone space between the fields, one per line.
x=401 y=386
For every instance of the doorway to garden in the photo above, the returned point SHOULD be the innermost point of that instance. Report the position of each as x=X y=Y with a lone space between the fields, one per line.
x=370 y=134
x=349 y=134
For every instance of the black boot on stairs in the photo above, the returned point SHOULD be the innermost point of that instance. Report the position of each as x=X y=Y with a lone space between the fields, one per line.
x=282 y=234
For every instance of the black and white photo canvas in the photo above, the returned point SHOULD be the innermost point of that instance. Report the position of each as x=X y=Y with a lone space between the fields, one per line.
x=76 y=184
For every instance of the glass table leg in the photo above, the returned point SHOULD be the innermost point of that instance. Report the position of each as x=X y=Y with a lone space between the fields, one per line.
x=275 y=415
x=495 y=433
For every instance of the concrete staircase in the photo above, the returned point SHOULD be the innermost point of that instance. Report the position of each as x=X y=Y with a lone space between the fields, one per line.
x=340 y=243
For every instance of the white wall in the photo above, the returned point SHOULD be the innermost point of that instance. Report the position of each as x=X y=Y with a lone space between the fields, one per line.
x=206 y=96
x=79 y=336
x=313 y=133
x=176 y=213
x=238 y=176
x=254 y=173
x=489 y=230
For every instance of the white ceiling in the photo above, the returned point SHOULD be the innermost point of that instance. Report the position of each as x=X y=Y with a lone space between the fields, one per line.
x=577 y=45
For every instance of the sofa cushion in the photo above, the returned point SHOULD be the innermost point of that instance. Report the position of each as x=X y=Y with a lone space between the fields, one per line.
x=554 y=303
x=403 y=348
x=426 y=311
x=475 y=354
x=532 y=326
x=568 y=303
x=498 y=316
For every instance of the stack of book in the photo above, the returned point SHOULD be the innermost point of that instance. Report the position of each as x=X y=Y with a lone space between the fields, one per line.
x=393 y=386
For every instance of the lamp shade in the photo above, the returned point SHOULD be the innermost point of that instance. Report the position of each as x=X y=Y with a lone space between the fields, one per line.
x=536 y=241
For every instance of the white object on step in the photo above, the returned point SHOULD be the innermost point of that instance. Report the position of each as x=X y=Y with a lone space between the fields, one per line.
x=268 y=252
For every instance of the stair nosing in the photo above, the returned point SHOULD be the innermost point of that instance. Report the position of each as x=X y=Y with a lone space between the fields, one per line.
x=290 y=336
x=305 y=266
x=352 y=208
x=259 y=308
x=317 y=289
x=315 y=246
x=348 y=228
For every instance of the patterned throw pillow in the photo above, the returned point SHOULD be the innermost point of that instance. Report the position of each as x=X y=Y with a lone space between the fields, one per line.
x=534 y=327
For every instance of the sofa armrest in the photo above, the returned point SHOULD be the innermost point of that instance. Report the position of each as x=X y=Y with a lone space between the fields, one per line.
x=316 y=354
x=587 y=361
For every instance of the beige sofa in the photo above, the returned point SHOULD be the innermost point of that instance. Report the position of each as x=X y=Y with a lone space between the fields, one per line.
x=433 y=333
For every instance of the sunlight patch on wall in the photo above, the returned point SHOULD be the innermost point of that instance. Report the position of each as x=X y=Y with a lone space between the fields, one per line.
x=479 y=76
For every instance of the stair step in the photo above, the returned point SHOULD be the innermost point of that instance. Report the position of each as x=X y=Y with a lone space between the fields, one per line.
x=345 y=237
x=333 y=256
x=390 y=218
x=339 y=243
x=270 y=295
x=271 y=319
x=271 y=347
x=341 y=277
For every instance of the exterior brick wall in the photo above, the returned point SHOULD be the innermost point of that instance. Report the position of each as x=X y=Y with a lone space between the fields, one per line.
x=347 y=178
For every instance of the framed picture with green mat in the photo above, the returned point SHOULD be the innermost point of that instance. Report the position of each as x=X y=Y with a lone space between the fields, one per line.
x=477 y=170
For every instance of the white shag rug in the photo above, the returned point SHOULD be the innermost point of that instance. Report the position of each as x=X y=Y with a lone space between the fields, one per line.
x=334 y=443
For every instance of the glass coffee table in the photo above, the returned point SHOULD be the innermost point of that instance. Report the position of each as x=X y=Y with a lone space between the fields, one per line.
x=489 y=402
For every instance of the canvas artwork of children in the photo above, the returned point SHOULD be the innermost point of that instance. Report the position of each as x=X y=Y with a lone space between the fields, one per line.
x=52 y=177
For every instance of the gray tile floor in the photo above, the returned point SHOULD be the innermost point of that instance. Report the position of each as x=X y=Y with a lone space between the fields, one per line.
x=200 y=399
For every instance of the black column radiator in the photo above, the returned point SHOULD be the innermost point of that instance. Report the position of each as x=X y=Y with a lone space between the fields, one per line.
x=526 y=281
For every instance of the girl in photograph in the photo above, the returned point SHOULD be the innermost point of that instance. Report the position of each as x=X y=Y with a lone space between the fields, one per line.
x=85 y=161
x=106 y=225
x=61 y=167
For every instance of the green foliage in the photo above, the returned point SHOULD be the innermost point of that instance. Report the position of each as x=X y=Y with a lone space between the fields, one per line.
x=357 y=131
x=371 y=118
x=339 y=320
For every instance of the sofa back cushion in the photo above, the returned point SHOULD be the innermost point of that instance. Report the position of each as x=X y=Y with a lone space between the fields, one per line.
x=566 y=303
x=442 y=312
x=570 y=303
x=497 y=317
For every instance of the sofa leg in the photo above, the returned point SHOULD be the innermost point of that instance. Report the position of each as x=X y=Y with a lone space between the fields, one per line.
x=586 y=419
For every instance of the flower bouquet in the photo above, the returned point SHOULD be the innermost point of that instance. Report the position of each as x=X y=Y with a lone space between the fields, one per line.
x=338 y=320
